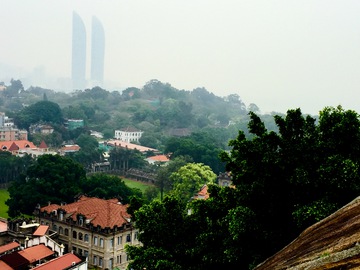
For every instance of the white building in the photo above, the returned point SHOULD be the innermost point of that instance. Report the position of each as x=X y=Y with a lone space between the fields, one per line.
x=128 y=134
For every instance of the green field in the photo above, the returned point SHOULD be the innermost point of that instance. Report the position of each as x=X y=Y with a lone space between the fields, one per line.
x=4 y=195
x=136 y=184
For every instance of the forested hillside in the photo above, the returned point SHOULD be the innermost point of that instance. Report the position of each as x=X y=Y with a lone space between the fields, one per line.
x=158 y=109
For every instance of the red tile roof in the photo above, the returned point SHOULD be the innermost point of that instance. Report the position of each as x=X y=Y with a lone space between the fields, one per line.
x=4 y=266
x=70 y=148
x=35 y=253
x=8 y=247
x=160 y=158
x=131 y=146
x=43 y=145
x=59 y=263
x=22 y=144
x=103 y=213
x=3 y=226
x=203 y=193
x=41 y=230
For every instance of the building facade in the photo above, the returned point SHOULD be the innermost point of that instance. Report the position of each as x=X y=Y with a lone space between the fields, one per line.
x=78 y=70
x=128 y=135
x=97 y=52
x=95 y=228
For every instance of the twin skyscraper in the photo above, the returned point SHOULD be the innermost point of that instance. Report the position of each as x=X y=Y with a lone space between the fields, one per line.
x=79 y=53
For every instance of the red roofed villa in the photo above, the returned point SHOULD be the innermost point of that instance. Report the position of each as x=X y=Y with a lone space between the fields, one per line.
x=92 y=227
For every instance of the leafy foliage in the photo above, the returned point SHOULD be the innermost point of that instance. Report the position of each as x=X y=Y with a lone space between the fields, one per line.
x=51 y=178
x=190 y=178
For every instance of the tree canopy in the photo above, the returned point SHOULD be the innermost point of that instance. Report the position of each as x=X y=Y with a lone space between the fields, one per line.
x=283 y=182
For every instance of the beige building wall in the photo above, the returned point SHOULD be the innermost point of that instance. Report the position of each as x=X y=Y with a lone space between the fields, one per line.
x=103 y=250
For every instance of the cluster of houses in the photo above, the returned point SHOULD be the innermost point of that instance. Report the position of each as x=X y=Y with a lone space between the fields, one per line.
x=89 y=232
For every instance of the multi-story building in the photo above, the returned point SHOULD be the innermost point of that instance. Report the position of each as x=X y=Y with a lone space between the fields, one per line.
x=95 y=228
x=128 y=134
x=8 y=131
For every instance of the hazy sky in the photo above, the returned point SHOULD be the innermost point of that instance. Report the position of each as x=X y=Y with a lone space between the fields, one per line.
x=278 y=54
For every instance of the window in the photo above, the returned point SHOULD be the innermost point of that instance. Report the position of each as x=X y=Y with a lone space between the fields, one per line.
x=86 y=253
x=80 y=251
x=66 y=232
x=111 y=262
x=101 y=242
x=119 y=240
x=100 y=262
x=74 y=234
x=80 y=236
x=74 y=249
x=86 y=237
x=118 y=259
x=127 y=257
x=81 y=221
x=111 y=243
x=95 y=260
x=55 y=228
x=61 y=230
x=95 y=240
x=136 y=235
x=128 y=238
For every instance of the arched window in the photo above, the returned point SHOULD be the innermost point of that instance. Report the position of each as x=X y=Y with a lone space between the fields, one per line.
x=66 y=232
x=80 y=236
x=86 y=237
x=55 y=227
x=61 y=230
x=74 y=234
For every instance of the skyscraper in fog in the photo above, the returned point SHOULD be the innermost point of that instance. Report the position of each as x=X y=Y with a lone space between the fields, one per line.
x=97 y=52
x=78 y=73
x=78 y=64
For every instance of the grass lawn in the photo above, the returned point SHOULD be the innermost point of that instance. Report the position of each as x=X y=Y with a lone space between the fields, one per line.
x=4 y=195
x=136 y=184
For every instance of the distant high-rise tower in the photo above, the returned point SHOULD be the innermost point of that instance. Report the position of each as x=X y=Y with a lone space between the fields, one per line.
x=78 y=53
x=97 y=52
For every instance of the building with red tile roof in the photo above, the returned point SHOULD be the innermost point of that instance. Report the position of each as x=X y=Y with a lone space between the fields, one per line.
x=41 y=230
x=158 y=159
x=131 y=146
x=92 y=227
x=68 y=261
x=15 y=146
x=66 y=149
x=202 y=194
x=9 y=248
x=4 y=266
x=36 y=253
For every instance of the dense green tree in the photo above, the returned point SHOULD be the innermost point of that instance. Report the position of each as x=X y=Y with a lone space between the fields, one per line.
x=14 y=88
x=293 y=178
x=124 y=159
x=42 y=111
x=190 y=178
x=11 y=167
x=163 y=248
x=108 y=186
x=200 y=146
x=51 y=178
x=163 y=173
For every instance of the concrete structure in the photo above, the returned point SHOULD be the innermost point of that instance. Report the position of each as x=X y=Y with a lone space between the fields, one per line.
x=97 y=52
x=78 y=71
x=8 y=131
x=72 y=124
x=92 y=227
x=128 y=134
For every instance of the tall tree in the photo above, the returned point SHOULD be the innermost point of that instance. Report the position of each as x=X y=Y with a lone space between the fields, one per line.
x=51 y=178
x=190 y=178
